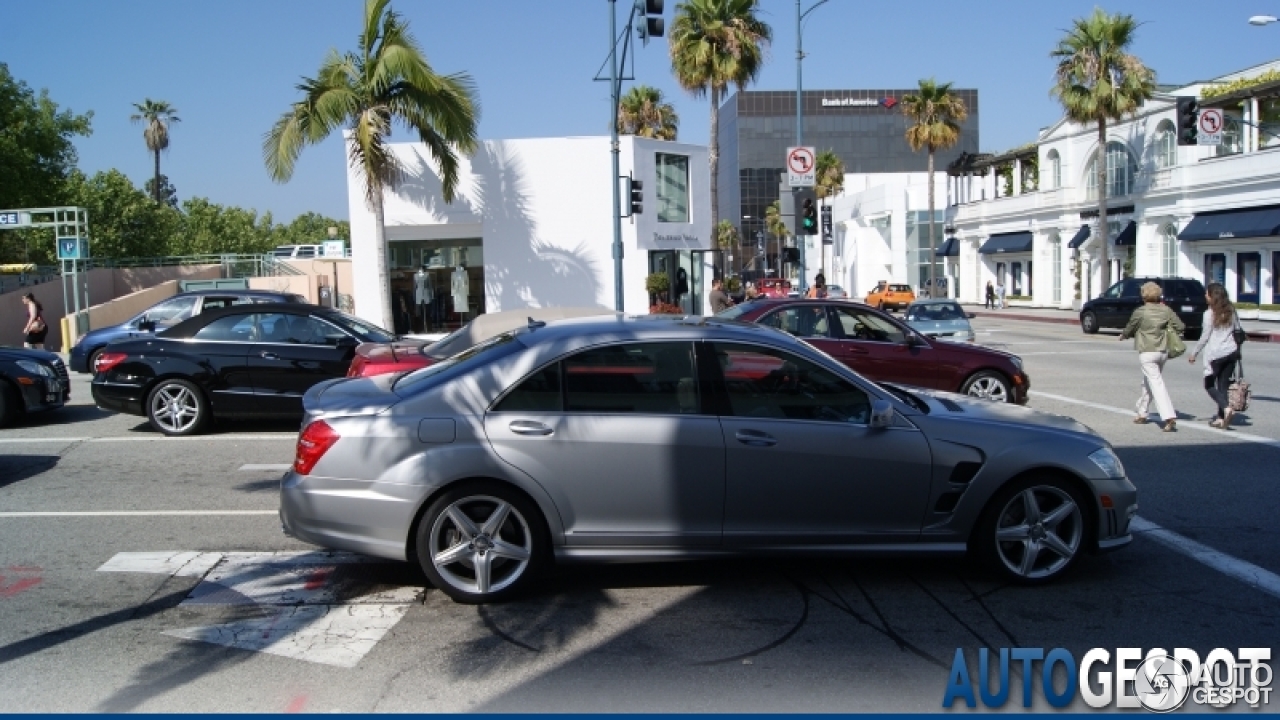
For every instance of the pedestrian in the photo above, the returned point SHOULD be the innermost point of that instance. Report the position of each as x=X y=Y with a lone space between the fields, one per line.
x=818 y=289
x=36 y=328
x=751 y=293
x=1221 y=353
x=991 y=296
x=1149 y=327
x=720 y=300
x=1000 y=294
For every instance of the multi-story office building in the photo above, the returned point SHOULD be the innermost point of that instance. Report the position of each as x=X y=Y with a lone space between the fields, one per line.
x=865 y=129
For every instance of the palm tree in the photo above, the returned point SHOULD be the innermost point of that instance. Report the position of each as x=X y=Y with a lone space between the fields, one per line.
x=386 y=80
x=726 y=239
x=776 y=224
x=828 y=182
x=641 y=112
x=935 y=113
x=715 y=43
x=158 y=115
x=1099 y=81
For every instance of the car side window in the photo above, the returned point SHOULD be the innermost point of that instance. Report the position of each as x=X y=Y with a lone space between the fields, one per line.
x=171 y=312
x=641 y=378
x=1131 y=289
x=858 y=324
x=1113 y=292
x=801 y=321
x=540 y=392
x=229 y=328
x=298 y=330
x=213 y=303
x=768 y=383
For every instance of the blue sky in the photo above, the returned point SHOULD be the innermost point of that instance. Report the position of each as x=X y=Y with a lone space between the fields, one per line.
x=231 y=66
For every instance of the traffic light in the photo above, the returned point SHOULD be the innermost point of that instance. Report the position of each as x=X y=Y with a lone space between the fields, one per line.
x=649 y=26
x=826 y=221
x=808 y=218
x=1188 y=116
x=637 y=196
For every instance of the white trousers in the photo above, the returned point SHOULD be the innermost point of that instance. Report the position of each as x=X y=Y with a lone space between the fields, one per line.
x=1153 y=386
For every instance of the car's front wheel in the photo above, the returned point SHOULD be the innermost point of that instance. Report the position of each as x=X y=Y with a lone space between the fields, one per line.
x=1033 y=530
x=1089 y=323
x=988 y=385
x=177 y=407
x=482 y=542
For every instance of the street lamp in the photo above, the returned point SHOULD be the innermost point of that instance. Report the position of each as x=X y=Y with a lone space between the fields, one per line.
x=800 y=105
x=1262 y=20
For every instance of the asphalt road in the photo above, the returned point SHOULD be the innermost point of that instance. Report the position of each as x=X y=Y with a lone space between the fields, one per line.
x=248 y=620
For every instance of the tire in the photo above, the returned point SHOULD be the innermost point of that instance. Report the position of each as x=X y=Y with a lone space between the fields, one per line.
x=988 y=385
x=450 y=554
x=177 y=407
x=1089 y=323
x=10 y=404
x=1031 y=553
x=93 y=360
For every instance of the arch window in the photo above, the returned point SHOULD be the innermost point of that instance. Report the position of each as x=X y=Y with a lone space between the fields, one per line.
x=1231 y=138
x=1121 y=169
x=1055 y=170
x=1166 y=145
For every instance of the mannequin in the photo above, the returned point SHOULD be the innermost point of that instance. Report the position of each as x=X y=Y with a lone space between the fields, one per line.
x=460 y=287
x=424 y=294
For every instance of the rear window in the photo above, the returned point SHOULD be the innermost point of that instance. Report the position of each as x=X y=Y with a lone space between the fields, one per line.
x=488 y=351
x=900 y=288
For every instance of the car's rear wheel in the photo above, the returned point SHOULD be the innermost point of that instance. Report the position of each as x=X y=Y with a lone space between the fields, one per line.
x=93 y=360
x=988 y=385
x=1089 y=323
x=1033 y=530
x=177 y=407
x=482 y=542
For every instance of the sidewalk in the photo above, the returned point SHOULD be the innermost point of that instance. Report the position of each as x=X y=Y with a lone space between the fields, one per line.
x=1259 y=330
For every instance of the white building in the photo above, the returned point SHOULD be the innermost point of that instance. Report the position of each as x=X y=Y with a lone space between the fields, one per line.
x=531 y=226
x=1211 y=213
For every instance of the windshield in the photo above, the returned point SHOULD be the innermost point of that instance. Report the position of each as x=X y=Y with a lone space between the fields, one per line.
x=450 y=344
x=906 y=397
x=492 y=349
x=935 y=312
x=366 y=331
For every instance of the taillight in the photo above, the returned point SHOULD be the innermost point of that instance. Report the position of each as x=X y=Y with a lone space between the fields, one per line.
x=357 y=365
x=108 y=360
x=313 y=443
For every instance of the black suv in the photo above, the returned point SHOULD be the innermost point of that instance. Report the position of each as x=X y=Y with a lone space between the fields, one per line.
x=1113 y=308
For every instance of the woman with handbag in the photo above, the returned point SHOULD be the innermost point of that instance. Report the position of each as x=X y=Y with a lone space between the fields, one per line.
x=36 y=329
x=1220 y=349
x=1155 y=330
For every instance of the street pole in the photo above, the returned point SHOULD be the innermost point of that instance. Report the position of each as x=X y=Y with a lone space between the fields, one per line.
x=615 y=150
x=800 y=119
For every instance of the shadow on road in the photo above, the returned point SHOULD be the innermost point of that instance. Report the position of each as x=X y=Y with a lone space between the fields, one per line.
x=16 y=468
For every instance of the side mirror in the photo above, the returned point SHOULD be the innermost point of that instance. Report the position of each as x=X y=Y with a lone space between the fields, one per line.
x=146 y=325
x=346 y=341
x=881 y=414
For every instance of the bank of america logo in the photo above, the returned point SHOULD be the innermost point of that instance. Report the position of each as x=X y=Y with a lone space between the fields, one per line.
x=889 y=102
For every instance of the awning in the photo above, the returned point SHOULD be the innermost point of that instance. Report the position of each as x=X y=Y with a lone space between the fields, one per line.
x=1129 y=235
x=1081 y=235
x=949 y=248
x=1243 y=223
x=1007 y=243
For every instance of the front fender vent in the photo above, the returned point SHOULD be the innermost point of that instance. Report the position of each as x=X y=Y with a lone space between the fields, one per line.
x=963 y=472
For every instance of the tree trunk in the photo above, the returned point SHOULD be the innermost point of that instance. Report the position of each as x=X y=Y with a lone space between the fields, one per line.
x=713 y=155
x=380 y=257
x=1103 y=235
x=155 y=188
x=933 y=283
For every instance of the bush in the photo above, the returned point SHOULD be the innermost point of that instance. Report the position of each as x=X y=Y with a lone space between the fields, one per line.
x=733 y=284
x=657 y=283
x=665 y=308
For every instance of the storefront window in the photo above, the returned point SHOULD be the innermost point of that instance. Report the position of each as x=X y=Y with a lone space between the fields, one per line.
x=1215 y=268
x=1016 y=272
x=673 y=188
x=1248 y=267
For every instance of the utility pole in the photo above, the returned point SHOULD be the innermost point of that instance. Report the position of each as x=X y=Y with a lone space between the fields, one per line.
x=800 y=16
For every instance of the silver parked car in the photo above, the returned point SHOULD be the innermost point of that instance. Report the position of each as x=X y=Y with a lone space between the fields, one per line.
x=644 y=438
x=942 y=319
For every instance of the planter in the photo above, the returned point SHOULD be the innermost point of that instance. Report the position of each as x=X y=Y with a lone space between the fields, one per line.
x=1248 y=314
x=1075 y=305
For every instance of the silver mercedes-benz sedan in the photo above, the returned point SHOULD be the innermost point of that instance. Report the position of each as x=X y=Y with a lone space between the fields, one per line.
x=647 y=438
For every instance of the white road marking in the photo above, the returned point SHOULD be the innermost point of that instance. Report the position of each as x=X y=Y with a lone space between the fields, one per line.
x=251 y=467
x=304 y=614
x=1246 y=572
x=65 y=440
x=1232 y=434
x=151 y=438
x=1076 y=352
x=134 y=513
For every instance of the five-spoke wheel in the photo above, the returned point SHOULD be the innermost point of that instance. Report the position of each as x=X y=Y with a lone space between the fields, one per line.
x=1034 y=530
x=176 y=407
x=481 y=542
x=988 y=385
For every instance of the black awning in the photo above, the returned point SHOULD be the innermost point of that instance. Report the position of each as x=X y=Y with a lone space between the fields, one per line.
x=1081 y=235
x=949 y=248
x=1242 y=223
x=1129 y=235
x=1007 y=243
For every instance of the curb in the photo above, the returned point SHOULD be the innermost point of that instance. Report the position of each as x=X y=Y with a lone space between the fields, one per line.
x=1265 y=336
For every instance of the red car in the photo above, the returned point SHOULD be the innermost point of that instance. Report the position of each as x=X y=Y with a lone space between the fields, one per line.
x=879 y=347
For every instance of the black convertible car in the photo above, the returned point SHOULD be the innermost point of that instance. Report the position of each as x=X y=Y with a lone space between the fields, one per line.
x=30 y=381
x=246 y=361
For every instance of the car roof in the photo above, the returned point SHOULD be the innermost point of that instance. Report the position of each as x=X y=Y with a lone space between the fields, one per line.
x=235 y=291
x=650 y=327
x=195 y=322
x=935 y=301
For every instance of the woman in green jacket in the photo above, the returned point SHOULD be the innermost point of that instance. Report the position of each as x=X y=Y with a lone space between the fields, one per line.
x=1148 y=326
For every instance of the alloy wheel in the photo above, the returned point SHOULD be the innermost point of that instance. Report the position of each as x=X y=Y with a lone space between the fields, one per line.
x=989 y=387
x=175 y=408
x=480 y=544
x=1038 y=532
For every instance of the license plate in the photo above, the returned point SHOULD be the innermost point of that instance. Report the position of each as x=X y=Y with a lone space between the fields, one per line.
x=55 y=387
x=1187 y=308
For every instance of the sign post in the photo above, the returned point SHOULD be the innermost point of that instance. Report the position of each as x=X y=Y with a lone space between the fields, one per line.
x=1209 y=126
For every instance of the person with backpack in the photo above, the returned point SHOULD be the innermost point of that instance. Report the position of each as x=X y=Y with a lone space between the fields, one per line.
x=1220 y=345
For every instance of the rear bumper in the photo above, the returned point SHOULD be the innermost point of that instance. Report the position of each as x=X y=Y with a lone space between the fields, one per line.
x=356 y=516
x=126 y=399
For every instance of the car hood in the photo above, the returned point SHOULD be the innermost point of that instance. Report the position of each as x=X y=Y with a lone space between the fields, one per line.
x=350 y=396
x=962 y=407
x=13 y=353
x=108 y=334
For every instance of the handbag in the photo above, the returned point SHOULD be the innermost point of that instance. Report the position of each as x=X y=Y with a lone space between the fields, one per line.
x=1238 y=334
x=1238 y=393
x=38 y=325
x=1173 y=343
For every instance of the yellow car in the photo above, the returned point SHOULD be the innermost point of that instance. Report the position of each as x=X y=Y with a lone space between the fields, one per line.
x=890 y=296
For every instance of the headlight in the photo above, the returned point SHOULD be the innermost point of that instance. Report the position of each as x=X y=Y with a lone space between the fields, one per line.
x=1107 y=461
x=35 y=368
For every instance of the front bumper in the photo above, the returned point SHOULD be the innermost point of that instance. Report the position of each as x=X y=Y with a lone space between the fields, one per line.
x=1113 y=522
x=78 y=358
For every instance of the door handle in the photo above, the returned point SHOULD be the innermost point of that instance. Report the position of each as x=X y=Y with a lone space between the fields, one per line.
x=529 y=427
x=270 y=356
x=755 y=438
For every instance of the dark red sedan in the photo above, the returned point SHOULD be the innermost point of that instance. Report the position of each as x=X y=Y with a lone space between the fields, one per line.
x=881 y=348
